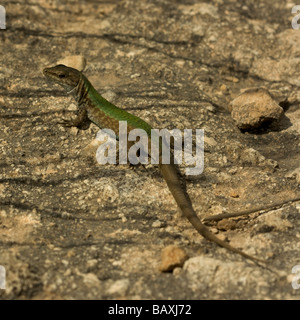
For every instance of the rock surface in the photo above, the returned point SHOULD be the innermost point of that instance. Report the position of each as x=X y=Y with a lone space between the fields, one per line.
x=253 y=108
x=171 y=258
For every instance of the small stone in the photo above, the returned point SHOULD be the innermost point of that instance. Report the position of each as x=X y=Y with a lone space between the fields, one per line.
x=91 y=280
x=232 y=79
x=294 y=174
x=92 y=263
x=119 y=287
x=198 y=31
x=135 y=75
x=109 y=95
x=177 y=271
x=209 y=107
x=65 y=262
x=226 y=224
x=274 y=220
x=290 y=278
x=214 y=230
x=172 y=257
x=210 y=141
x=77 y=62
x=222 y=237
x=157 y=224
x=269 y=254
x=74 y=131
x=234 y=194
x=224 y=88
x=254 y=107
x=91 y=148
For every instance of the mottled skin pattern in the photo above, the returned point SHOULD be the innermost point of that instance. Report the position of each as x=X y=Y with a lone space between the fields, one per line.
x=92 y=107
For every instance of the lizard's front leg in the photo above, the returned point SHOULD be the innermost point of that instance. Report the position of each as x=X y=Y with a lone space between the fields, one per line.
x=81 y=121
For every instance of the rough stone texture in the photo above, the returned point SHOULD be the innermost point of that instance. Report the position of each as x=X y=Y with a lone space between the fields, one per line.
x=76 y=62
x=70 y=228
x=253 y=108
x=171 y=258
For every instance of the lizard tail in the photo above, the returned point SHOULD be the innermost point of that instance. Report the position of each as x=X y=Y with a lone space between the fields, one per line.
x=170 y=174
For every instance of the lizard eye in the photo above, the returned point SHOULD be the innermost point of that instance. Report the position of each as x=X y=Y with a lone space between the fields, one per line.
x=61 y=75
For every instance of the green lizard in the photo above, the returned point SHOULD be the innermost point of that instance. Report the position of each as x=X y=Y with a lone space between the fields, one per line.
x=92 y=107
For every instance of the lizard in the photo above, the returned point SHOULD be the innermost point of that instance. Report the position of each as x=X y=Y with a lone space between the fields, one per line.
x=92 y=107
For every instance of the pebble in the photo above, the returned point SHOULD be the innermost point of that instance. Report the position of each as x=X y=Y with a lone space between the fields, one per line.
x=77 y=62
x=119 y=287
x=157 y=224
x=171 y=258
x=254 y=107
x=275 y=220
x=91 y=280
x=294 y=174
x=226 y=224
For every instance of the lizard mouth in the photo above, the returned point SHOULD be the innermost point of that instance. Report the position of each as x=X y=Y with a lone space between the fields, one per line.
x=47 y=74
x=45 y=71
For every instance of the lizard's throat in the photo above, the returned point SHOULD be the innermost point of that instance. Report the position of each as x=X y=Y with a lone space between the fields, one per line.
x=80 y=91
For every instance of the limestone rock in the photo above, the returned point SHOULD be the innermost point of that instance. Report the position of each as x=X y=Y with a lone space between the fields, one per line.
x=253 y=108
x=172 y=257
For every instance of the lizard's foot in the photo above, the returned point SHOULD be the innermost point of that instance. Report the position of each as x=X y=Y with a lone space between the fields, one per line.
x=135 y=167
x=82 y=125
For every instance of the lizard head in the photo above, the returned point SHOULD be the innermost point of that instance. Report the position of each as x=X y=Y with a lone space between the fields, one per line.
x=63 y=75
